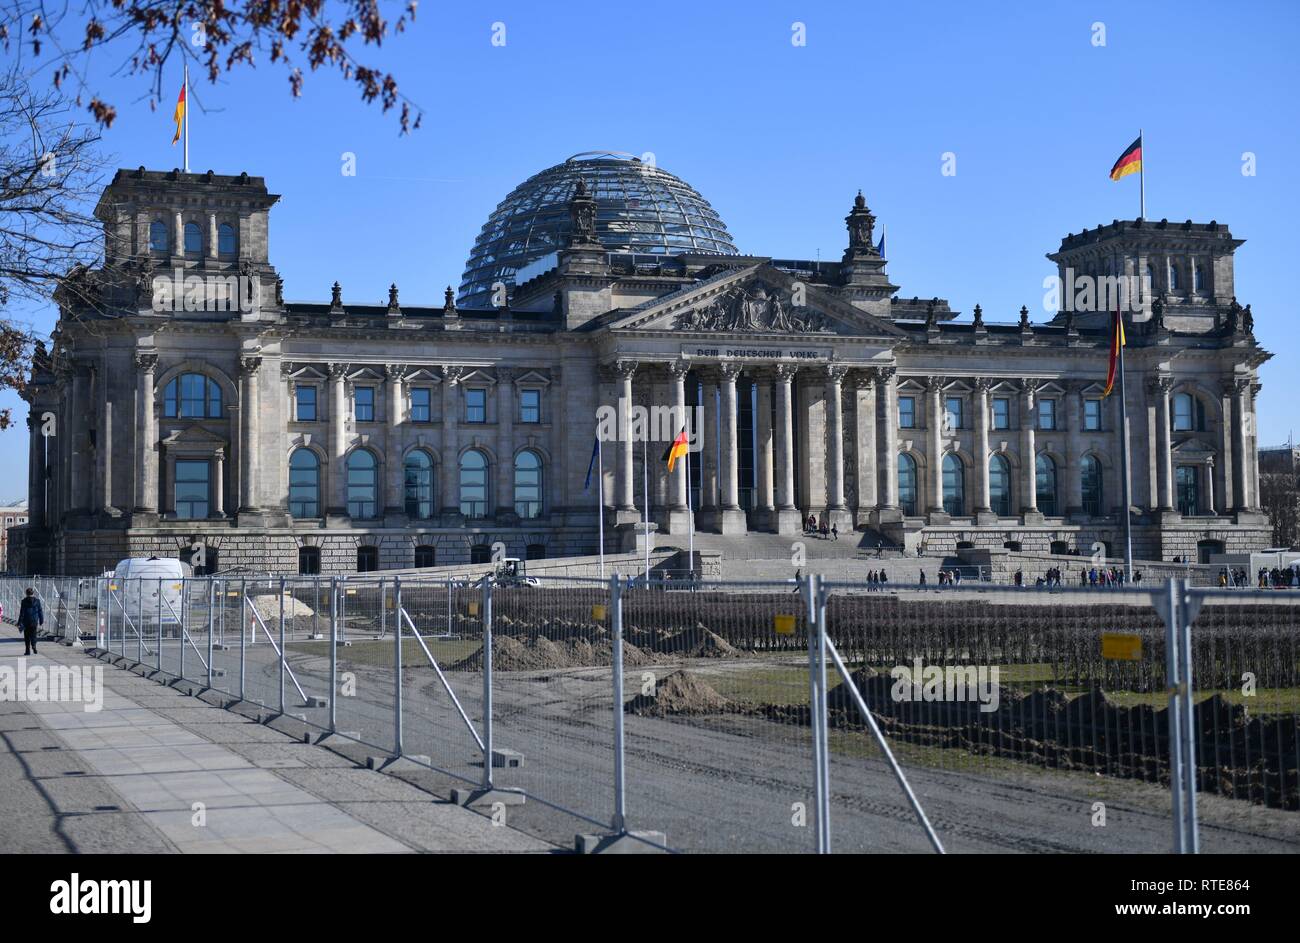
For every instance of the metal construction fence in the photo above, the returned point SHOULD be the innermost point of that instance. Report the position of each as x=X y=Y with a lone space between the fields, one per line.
x=763 y=716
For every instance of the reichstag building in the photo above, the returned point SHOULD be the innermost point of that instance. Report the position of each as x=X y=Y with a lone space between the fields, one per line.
x=193 y=406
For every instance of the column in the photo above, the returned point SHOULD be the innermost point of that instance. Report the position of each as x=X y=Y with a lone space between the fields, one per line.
x=394 y=405
x=219 y=483
x=1241 y=496
x=1209 y=486
x=336 y=475
x=1227 y=458
x=212 y=236
x=178 y=235
x=787 y=515
x=35 y=470
x=505 y=440
x=839 y=512
x=81 y=417
x=1164 y=453
x=1073 y=453
x=729 y=477
x=678 y=510
x=1028 y=454
x=887 y=381
x=709 y=453
x=449 y=467
x=1252 y=445
x=146 y=436
x=763 y=455
x=626 y=491
x=104 y=442
x=934 y=442
x=250 y=416
x=981 y=406
x=864 y=412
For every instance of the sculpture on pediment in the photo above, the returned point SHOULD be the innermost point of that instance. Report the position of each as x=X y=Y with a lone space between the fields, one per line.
x=144 y=283
x=1234 y=316
x=754 y=309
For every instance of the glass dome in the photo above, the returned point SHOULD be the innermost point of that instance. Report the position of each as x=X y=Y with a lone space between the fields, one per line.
x=639 y=209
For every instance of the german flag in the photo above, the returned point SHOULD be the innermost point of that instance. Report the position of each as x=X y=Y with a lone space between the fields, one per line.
x=180 y=113
x=676 y=450
x=1116 y=342
x=1130 y=162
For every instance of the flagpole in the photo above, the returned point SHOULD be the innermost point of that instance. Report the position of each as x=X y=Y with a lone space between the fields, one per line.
x=1142 y=175
x=186 y=116
x=600 y=501
x=690 y=514
x=1125 y=458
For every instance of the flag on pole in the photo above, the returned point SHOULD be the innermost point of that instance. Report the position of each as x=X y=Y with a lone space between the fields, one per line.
x=180 y=114
x=1130 y=162
x=1116 y=342
x=676 y=450
x=595 y=451
x=880 y=246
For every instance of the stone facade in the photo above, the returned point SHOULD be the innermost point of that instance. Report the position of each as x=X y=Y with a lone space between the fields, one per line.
x=198 y=413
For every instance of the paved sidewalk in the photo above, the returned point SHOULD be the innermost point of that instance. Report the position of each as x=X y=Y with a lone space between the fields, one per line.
x=135 y=777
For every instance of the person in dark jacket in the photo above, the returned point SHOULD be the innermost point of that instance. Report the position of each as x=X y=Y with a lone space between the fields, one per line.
x=30 y=618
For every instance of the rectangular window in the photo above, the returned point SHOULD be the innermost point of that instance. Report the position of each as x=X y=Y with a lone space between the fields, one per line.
x=952 y=412
x=1047 y=414
x=1092 y=415
x=191 y=492
x=906 y=412
x=530 y=406
x=421 y=404
x=364 y=404
x=1001 y=413
x=476 y=405
x=306 y=404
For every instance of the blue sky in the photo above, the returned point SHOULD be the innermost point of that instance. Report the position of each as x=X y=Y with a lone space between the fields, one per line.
x=779 y=138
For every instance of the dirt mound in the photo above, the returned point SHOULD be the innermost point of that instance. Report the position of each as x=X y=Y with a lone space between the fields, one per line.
x=537 y=652
x=268 y=607
x=699 y=642
x=678 y=693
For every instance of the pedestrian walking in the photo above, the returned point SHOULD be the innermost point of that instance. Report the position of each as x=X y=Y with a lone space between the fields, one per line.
x=30 y=618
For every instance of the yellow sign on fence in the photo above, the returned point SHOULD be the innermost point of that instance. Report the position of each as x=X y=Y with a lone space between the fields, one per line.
x=473 y=608
x=598 y=613
x=784 y=624
x=1121 y=646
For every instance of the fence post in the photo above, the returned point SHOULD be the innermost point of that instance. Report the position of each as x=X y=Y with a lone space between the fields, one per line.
x=243 y=636
x=1169 y=610
x=810 y=588
x=487 y=682
x=139 y=620
x=159 y=607
x=618 y=823
x=184 y=629
x=823 y=712
x=212 y=585
x=1187 y=614
x=397 y=659
x=282 y=655
x=334 y=653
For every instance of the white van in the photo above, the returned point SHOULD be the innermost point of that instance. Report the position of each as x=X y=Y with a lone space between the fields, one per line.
x=137 y=581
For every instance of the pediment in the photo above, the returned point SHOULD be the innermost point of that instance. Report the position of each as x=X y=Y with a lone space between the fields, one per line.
x=756 y=300
x=1192 y=448
x=193 y=436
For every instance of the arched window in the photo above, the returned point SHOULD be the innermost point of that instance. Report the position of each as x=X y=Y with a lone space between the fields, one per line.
x=192 y=396
x=1045 y=475
x=999 y=486
x=1188 y=413
x=528 y=484
x=1198 y=281
x=304 y=484
x=1175 y=279
x=227 y=246
x=193 y=239
x=907 y=484
x=418 y=473
x=367 y=559
x=158 y=240
x=954 y=492
x=474 y=484
x=426 y=556
x=480 y=553
x=363 y=485
x=1090 y=471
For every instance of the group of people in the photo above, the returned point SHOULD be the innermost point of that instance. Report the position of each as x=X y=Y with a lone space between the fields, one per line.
x=827 y=530
x=1279 y=577
x=946 y=578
